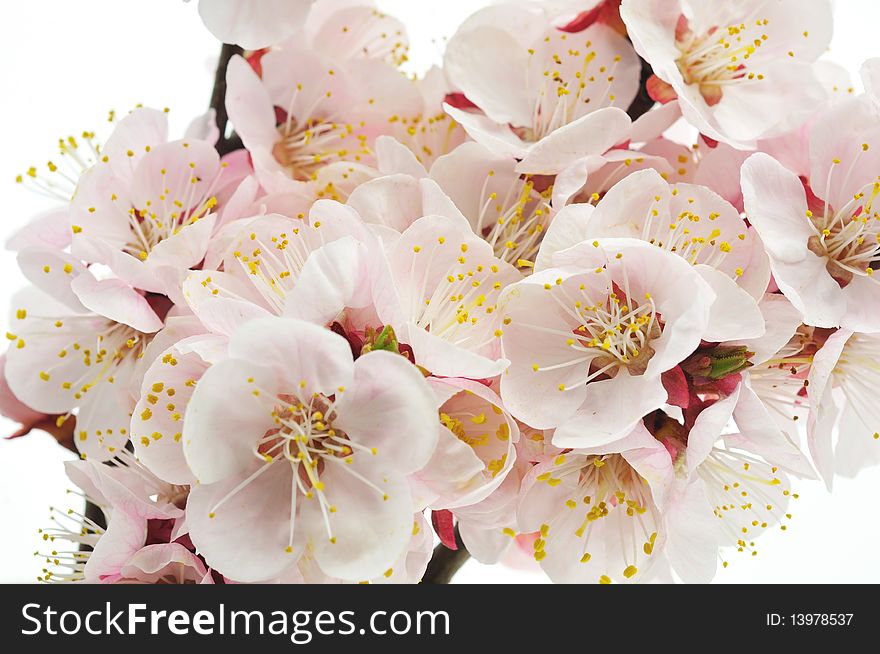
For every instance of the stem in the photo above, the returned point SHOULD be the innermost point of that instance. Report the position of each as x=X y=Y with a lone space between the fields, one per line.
x=445 y=562
x=642 y=102
x=218 y=100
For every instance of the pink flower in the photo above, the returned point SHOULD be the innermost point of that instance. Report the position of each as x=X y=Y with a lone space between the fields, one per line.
x=75 y=345
x=688 y=220
x=548 y=97
x=588 y=341
x=310 y=122
x=823 y=246
x=741 y=71
x=147 y=208
x=438 y=289
x=476 y=445
x=311 y=268
x=307 y=448
x=597 y=519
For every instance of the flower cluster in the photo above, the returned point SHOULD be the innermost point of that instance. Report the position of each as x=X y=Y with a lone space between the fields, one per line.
x=498 y=295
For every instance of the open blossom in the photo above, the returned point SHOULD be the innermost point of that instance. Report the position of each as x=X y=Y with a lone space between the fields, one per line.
x=823 y=239
x=507 y=209
x=741 y=71
x=309 y=121
x=577 y=499
x=688 y=220
x=589 y=340
x=476 y=447
x=310 y=449
x=148 y=208
x=75 y=345
x=439 y=289
x=311 y=268
x=548 y=97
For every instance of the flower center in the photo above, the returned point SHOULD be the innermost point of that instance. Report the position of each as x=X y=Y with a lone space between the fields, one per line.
x=848 y=237
x=304 y=148
x=719 y=57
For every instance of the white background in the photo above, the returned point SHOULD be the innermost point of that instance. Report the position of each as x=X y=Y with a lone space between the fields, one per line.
x=65 y=64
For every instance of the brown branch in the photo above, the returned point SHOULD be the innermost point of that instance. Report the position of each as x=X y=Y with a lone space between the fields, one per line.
x=642 y=102
x=218 y=100
x=445 y=562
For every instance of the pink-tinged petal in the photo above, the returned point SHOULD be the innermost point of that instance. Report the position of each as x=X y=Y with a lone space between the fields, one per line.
x=177 y=328
x=392 y=200
x=569 y=227
x=47 y=229
x=707 y=429
x=692 y=538
x=116 y=300
x=838 y=159
x=13 y=408
x=496 y=84
x=445 y=359
x=533 y=396
x=487 y=546
x=52 y=271
x=249 y=106
x=862 y=297
x=132 y=138
x=591 y=134
x=244 y=533
x=391 y=408
x=125 y=535
x=452 y=467
x=28 y=357
x=651 y=124
x=253 y=24
x=371 y=526
x=573 y=178
x=857 y=450
x=336 y=276
x=776 y=205
x=734 y=314
x=498 y=139
x=225 y=419
x=305 y=358
x=395 y=158
x=239 y=203
x=99 y=212
x=129 y=491
x=870 y=74
x=234 y=303
x=435 y=202
x=157 y=419
x=104 y=417
x=719 y=170
x=164 y=563
x=760 y=434
x=823 y=410
x=204 y=127
x=186 y=248
x=476 y=449
x=610 y=410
